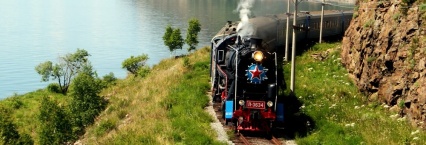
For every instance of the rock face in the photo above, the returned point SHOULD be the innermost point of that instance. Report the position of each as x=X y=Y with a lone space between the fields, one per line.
x=384 y=50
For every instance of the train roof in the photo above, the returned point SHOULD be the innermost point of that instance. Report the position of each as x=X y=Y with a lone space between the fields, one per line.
x=260 y=21
x=283 y=16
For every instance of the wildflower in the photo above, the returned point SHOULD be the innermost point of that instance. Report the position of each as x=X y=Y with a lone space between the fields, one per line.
x=394 y=116
x=310 y=69
x=356 y=107
x=416 y=138
x=415 y=132
x=386 y=106
x=301 y=107
x=350 y=125
x=401 y=119
x=332 y=106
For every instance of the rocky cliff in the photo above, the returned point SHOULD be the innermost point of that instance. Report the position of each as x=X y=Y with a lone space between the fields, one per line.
x=384 y=50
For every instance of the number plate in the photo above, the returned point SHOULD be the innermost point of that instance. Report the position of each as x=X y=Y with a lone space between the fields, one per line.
x=255 y=104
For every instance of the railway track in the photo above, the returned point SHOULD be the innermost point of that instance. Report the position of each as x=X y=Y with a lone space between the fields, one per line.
x=258 y=140
x=246 y=138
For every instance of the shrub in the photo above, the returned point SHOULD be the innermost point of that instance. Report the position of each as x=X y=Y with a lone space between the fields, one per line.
x=54 y=88
x=186 y=62
x=371 y=59
x=109 y=79
x=422 y=7
x=55 y=126
x=355 y=15
x=8 y=132
x=396 y=16
x=143 y=71
x=25 y=139
x=86 y=103
x=369 y=23
x=133 y=64
x=14 y=102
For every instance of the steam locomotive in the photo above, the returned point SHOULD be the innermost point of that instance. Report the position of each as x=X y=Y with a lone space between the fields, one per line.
x=246 y=65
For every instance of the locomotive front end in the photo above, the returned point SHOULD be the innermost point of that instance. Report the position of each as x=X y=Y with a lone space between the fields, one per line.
x=254 y=89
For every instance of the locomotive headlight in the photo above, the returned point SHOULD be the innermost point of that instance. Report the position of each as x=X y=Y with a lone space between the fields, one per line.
x=241 y=102
x=270 y=103
x=257 y=55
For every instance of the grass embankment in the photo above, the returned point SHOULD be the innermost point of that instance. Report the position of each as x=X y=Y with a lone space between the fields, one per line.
x=340 y=113
x=25 y=110
x=165 y=107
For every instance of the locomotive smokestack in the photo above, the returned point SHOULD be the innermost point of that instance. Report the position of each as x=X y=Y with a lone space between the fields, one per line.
x=244 y=28
x=255 y=43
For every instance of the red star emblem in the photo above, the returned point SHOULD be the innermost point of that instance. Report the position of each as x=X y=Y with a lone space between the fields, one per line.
x=255 y=73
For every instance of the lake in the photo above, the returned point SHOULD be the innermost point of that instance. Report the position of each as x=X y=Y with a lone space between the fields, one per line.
x=35 y=31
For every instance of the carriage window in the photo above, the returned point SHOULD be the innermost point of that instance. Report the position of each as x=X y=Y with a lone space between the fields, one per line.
x=221 y=55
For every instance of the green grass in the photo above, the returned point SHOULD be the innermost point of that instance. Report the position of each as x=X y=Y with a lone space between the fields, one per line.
x=186 y=107
x=369 y=23
x=165 y=107
x=340 y=113
x=26 y=108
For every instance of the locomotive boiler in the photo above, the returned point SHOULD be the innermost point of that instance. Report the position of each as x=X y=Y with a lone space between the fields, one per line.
x=246 y=65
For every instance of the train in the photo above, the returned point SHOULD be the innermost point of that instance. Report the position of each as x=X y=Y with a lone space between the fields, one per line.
x=246 y=66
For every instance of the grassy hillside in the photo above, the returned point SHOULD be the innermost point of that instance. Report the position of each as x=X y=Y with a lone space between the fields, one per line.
x=340 y=114
x=165 y=107
x=25 y=109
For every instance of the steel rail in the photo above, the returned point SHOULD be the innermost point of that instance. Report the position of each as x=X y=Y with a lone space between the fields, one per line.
x=243 y=139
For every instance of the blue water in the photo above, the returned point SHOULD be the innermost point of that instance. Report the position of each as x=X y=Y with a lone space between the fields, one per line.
x=35 y=31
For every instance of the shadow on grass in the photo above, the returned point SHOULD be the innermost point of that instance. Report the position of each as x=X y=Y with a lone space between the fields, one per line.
x=296 y=123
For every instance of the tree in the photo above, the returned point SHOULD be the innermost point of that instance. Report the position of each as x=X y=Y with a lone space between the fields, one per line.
x=86 y=103
x=176 y=39
x=173 y=38
x=133 y=64
x=166 y=37
x=55 y=126
x=194 y=27
x=67 y=67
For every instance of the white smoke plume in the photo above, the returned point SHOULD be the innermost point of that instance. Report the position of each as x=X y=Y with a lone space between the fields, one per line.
x=244 y=28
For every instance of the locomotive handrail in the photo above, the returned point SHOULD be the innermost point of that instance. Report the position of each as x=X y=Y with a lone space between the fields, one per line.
x=236 y=77
x=276 y=81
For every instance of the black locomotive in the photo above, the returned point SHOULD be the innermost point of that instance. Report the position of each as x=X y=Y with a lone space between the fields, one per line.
x=246 y=69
